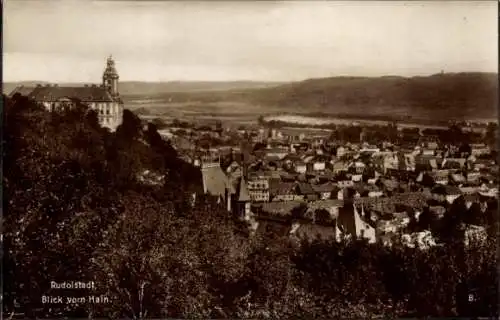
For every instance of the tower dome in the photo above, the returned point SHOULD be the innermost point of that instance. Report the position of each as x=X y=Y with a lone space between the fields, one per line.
x=110 y=77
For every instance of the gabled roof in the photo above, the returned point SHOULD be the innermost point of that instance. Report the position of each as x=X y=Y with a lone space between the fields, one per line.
x=458 y=177
x=281 y=208
x=472 y=197
x=453 y=162
x=85 y=94
x=215 y=182
x=390 y=184
x=243 y=195
x=281 y=188
x=309 y=158
x=433 y=163
x=350 y=221
x=292 y=157
x=234 y=165
x=287 y=176
x=277 y=150
x=446 y=190
x=22 y=90
x=325 y=204
x=305 y=188
x=437 y=210
x=326 y=187
x=440 y=174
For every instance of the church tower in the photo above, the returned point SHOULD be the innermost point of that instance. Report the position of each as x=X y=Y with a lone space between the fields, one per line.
x=110 y=77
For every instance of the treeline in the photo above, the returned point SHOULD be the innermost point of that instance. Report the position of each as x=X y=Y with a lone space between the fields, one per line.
x=375 y=134
x=76 y=211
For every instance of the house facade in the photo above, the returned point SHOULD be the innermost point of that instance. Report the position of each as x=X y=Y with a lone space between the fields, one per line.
x=258 y=189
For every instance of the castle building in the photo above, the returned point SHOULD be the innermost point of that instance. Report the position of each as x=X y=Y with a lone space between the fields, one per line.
x=104 y=99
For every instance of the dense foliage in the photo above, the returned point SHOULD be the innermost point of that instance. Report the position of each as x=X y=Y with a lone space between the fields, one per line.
x=76 y=211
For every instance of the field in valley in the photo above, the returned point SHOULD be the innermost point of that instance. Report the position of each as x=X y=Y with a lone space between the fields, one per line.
x=423 y=101
x=234 y=114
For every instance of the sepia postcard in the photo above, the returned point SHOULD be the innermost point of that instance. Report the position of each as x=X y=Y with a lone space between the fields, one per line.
x=249 y=159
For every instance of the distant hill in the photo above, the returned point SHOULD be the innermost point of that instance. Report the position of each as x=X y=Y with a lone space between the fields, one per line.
x=442 y=96
x=461 y=95
x=7 y=87
x=453 y=95
x=153 y=88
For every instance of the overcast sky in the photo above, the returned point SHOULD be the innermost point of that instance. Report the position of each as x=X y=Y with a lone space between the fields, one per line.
x=68 y=41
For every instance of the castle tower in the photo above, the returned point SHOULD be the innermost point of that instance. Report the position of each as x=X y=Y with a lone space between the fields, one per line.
x=110 y=77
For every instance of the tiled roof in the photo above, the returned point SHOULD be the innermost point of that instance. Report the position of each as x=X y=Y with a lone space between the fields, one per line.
x=458 y=177
x=446 y=190
x=280 y=151
x=390 y=184
x=453 y=163
x=433 y=163
x=305 y=188
x=348 y=220
x=286 y=175
x=272 y=158
x=281 y=188
x=325 y=204
x=22 y=90
x=473 y=197
x=386 y=204
x=485 y=161
x=85 y=94
x=292 y=157
x=443 y=174
x=281 y=208
x=326 y=187
x=339 y=166
x=215 y=182
x=243 y=191
x=437 y=210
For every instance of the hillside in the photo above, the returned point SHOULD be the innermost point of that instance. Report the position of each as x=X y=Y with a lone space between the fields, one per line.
x=444 y=96
x=461 y=95
x=441 y=96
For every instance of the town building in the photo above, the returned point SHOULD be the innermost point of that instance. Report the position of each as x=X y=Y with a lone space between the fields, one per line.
x=258 y=189
x=104 y=99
